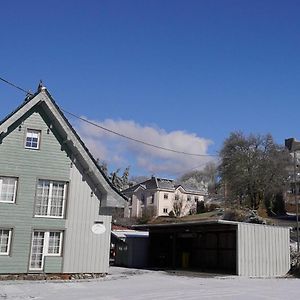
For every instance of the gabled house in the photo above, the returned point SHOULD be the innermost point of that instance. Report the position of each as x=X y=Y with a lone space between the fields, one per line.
x=160 y=196
x=52 y=194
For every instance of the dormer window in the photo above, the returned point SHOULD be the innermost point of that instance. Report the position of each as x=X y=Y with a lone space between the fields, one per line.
x=33 y=139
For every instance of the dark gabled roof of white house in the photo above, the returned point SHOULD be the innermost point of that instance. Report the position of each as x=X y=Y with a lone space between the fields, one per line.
x=74 y=143
x=155 y=183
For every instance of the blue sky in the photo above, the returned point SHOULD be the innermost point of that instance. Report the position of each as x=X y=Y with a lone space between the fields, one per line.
x=179 y=73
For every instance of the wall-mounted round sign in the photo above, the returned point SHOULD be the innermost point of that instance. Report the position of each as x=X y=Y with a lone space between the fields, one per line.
x=98 y=228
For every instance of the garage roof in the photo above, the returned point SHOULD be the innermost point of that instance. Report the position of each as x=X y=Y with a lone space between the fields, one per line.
x=201 y=222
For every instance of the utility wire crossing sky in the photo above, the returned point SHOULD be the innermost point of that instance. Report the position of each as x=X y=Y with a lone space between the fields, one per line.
x=117 y=133
x=181 y=75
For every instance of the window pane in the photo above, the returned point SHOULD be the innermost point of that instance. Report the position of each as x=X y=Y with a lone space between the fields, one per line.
x=42 y=197
x=7 y=189
x=57 y=198
x=32 y=139
x=54 y=242
x=36 y=259
x=50 y=198
x=4 y=241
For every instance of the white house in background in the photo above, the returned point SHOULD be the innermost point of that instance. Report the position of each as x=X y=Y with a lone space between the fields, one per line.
x=161 y=196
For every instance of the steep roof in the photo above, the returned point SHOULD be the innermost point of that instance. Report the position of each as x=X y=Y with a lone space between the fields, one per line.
x=43 y=99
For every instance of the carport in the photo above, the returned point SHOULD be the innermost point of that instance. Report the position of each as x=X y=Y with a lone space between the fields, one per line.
x=220 y=246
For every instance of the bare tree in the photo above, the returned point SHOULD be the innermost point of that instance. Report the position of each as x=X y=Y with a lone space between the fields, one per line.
x=182 y=207
x=253 y=169
x=205 y=179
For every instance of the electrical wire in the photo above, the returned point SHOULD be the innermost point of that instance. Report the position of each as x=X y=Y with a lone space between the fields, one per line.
x=15 y=86
x=134 y=139
x=114 y=132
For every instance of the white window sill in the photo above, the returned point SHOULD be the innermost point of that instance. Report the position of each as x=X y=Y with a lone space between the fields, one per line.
x=50 y=217
x=31 y=148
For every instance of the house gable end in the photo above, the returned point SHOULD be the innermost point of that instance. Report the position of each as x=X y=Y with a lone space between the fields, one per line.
x=71 y=143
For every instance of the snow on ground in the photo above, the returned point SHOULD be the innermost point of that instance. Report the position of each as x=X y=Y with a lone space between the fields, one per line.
x=133 y=284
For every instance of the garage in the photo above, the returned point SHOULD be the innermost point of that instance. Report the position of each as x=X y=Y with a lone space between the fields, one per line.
x=220 y=246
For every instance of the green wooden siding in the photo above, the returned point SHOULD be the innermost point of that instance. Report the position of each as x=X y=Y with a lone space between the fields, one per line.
x=49 y=162
x=53 y=264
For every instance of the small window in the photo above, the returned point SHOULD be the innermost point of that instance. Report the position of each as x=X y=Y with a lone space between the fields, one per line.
x=165 y=210
x=8 y=189
x=188 y=198
x=143 y=199
x=166 y=196
x=32 y=139
x=152 y=199
x=130 y=200
x=176 y=197
x=196 y=199
x=5 y=239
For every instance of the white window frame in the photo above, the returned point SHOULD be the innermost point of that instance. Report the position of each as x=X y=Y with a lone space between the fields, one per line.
x=165 y=210
x=45 y=248
x=29 y=130
x=48 y=215
x=8 y=242
x=166 y=196
x=15 y=188
x=47 y=238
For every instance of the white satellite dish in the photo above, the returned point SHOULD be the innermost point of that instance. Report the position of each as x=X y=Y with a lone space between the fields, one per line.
x=98 y=229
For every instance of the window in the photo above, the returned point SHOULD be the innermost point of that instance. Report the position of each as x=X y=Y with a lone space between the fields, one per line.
x=44 y=243
x=196 y=199
x=130 y=200
x=152 y=199
x=176 y=197
x=143 y=199
x=50 y=198
x=188 y=198
x=8 y=189
x=32 y=139
x=5 y=239
x=37 y=251
x=166 y=196
x=165 y=210
x=54 y=243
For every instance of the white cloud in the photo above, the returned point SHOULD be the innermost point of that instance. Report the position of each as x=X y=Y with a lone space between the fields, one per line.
x=119 y=152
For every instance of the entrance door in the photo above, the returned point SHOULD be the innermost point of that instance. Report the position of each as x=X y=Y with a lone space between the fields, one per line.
x=37 y=251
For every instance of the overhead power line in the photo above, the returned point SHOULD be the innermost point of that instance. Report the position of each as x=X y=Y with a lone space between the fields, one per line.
x=15 y=86
x=134 y=139
x=114 y=132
